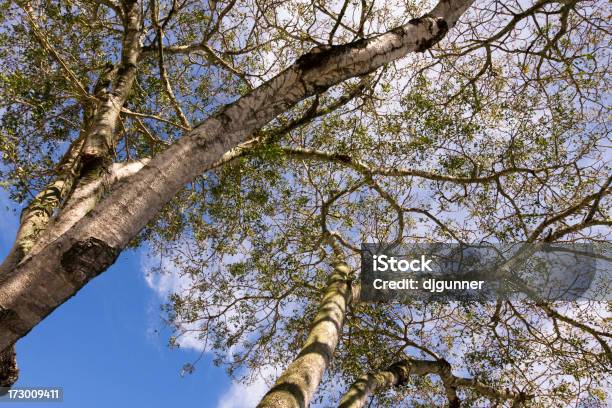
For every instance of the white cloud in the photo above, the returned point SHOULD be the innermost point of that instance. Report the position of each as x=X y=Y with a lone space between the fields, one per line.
x=240 y=394
x=248 y=395
x=165 y=283
x=163 y=276
x=170 y=281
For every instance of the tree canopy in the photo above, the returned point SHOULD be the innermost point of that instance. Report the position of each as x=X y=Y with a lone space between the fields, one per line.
x=251 y=147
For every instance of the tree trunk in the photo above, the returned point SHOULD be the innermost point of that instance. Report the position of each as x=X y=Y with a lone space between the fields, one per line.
x=399 y=373
x=46 y=279
x=298 y=383
x=8 y=369
x=393 y=376
x=81 y=167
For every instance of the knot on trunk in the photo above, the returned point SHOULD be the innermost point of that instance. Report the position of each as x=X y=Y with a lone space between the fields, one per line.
x=86 y=259
x=8 y=369
x=320 y=55
x=436 y=27
x=401 y=370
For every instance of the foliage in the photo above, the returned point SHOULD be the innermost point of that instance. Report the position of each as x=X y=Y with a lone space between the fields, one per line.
x=510 y=108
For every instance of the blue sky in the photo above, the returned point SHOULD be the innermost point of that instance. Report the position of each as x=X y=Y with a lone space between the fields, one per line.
x=107 y=346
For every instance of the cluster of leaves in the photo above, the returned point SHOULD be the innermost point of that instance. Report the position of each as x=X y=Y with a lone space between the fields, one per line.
x=517 y=90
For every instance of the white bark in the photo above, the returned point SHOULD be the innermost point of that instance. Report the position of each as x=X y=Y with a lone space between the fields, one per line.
x=46 y=279
x=94 y=146
x=88 y=154
x=300 y=380
x=399 y=373
x=84 y=199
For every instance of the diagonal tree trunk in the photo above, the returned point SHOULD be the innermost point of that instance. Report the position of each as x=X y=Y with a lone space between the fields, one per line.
x=399 y=373
x=47 y=278
x=92 y=149
x=81 y=170
x=395 y=375
x=35 y=217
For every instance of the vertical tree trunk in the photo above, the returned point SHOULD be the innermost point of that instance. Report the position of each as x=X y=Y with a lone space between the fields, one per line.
x=298 y=383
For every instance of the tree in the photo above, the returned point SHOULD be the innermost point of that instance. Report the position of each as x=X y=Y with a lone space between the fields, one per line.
x=300 y=154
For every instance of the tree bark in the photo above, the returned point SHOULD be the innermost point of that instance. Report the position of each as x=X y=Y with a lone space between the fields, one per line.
x=8 y=369
x=46 y=279
x=100 y=142
x=399 y=373
x=82 y=165
x=393 y=376
x=92 y=148
x=35 y=217
x=298 y=383
x=85 y=198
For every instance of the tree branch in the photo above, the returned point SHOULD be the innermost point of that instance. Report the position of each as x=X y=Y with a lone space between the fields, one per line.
x=162 y=69
x=93 y=244
x=359 y=166
x=399 y=374
x=72 y=78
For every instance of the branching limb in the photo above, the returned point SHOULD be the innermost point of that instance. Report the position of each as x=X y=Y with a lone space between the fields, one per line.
x=399 y=374
x=592 y=199
x=599 y=336
x=365 y=169
x=42 y=38
x=162 y=68
x=86 y=196
x=338 y=22
x=140 y=115
x=271 y=135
